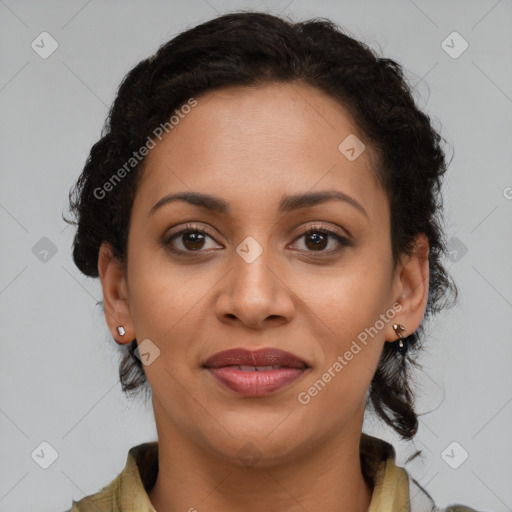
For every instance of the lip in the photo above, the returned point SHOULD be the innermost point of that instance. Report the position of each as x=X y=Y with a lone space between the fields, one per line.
x=262 y=357
x=225 y=368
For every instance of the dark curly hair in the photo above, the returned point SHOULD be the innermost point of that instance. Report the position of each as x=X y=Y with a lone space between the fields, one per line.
x=253 y=48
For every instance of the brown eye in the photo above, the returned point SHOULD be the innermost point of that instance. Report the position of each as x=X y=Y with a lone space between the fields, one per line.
x=189 y=239
x=193 y=240
x=317 y=239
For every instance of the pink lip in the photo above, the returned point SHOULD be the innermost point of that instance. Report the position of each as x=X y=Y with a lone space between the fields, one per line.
x=224 y=367
x=256 y=383
x=262 y=357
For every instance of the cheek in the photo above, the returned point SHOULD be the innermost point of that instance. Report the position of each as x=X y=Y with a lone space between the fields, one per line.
x=351 y=345
x=349 y=300
x=165 y=305
x=351 y=327
x=161 y=294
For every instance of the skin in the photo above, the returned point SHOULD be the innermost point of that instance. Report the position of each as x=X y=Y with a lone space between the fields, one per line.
x=250 y=146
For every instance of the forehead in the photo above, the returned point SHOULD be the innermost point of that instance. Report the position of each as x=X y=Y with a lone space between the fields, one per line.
x=254 y=144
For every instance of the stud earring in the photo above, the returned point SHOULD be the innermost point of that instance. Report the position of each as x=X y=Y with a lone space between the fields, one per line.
x=121 y=330
x=400 y=346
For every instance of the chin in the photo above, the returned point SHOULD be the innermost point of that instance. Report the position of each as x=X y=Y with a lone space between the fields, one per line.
x=250 y=445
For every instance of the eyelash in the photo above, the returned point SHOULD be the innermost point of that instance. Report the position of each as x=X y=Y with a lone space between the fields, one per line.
x=189 y=228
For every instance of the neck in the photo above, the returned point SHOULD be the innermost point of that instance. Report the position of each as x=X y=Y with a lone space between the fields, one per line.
x=326 y=476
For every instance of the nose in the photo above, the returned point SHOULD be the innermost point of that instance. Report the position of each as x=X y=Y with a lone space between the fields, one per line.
x=255 y=294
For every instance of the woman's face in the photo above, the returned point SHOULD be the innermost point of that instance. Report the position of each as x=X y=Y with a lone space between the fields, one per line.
x=246 y=276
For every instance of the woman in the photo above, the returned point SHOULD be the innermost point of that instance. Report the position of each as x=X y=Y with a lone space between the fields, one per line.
x=263 y=211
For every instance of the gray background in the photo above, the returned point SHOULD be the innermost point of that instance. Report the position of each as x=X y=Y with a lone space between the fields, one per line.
x=58 y=368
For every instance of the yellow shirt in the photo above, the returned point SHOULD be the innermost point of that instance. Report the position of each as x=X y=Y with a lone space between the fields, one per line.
x=393 y=488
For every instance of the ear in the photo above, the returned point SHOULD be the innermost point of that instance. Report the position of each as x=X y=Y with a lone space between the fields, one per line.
x=410 y=288
x=115 y=294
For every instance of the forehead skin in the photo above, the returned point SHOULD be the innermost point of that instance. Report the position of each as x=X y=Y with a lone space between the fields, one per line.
x=255 y=144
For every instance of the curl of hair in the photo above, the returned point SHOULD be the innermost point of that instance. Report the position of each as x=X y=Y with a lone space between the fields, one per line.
x=252 y=49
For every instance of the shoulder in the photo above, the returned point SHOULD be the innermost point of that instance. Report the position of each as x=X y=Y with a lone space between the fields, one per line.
x=128 y=491
x=394 y=486
x=101 y=501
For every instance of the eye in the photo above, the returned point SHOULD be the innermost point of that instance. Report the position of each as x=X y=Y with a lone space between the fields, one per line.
x=188 y=239
x=191 y=239
x=317 y=238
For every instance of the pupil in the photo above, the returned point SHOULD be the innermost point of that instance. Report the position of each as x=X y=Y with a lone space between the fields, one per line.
x=193 y=240
x=318 y=239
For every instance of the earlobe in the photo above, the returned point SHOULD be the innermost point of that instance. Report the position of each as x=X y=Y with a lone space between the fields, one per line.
x=115 y=299
x=413 y=282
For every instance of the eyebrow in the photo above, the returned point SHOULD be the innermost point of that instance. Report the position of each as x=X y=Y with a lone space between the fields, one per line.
x=287 y=204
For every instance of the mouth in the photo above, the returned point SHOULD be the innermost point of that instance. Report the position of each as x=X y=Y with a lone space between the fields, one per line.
x=256 y=373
